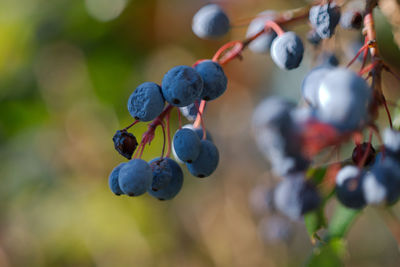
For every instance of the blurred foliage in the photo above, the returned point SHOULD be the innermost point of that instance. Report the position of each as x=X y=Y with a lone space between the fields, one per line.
x=66 y=71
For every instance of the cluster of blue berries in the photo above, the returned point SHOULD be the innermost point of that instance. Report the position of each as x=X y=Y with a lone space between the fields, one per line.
x=339 y=103
x=378 y=183
x=185 y=88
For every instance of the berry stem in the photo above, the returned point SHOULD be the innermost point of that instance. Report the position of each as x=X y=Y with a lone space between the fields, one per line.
x=127 y=127
x=167 y=117
x=179 y=118
x=274 y=26
x=164 y=141
x=366 y=153
x=362 y=49
x=200 y=111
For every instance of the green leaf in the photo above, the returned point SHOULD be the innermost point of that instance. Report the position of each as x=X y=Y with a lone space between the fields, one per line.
x=316 y=175
x=331 y=254
x=341 y=221
x=315 y=221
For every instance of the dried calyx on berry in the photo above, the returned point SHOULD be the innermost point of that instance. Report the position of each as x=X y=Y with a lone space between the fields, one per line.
x=125 y=143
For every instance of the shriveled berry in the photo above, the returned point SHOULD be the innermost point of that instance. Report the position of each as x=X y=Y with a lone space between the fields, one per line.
x=146 y=102
x=175 y=184
x=125 y=143
x=162 y=173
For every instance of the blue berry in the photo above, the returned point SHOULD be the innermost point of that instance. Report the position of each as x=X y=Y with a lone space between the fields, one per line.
x=174 y=186
x=328 y=59
x=113 y=180
x=313 y=37
x=263 y=43
x=214 y=79
x=210 y=22
x=382 y=184
x=349 y=187
x=351 y=20
x=261 y=200
x=135 y=177
x=125 y=143
x=287 y=51
x=207 y=161
x=343 y=99
x=294 y=196
x=391 y=140
x=186 y=145
x=199 y=132
x=277 y=137
x=162 y=173
x=275 y=228
x=324 y=18
x=146 y=102
x=311 y=84
x=181 y=86
x=190 y=111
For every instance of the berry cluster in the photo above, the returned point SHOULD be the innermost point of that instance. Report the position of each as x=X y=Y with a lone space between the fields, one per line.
x=340 y=104
x=186 y=88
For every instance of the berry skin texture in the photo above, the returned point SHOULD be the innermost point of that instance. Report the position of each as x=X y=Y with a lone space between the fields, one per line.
x=135 y=177
x=324 y=18
x=263 y=43
x=162 y=173
x=181 y=86
x=349 y=184
x=174 y=186
x=343 y=99
x=186 y=145
x=125 y=143
x=311 y=83
x=207 y=161
x=294 y=196
x=287 y=51
x=210 y=22
x=113 y=180
x=146 y=102
x=214 y=79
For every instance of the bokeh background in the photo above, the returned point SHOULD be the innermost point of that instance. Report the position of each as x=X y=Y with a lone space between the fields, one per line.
x=67 y=69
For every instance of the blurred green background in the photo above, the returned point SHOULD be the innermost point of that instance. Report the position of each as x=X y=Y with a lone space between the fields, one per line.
x=67 y=68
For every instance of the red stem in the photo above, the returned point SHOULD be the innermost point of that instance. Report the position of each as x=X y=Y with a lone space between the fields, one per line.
x=274 y=26
x=169 y=135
